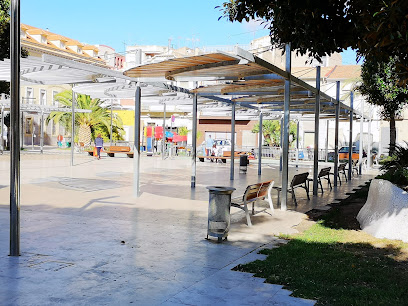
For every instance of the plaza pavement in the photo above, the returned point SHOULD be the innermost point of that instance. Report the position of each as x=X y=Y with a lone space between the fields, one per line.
x=86 y=240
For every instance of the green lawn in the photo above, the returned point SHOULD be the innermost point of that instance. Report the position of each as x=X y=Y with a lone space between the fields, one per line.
x=338 y=266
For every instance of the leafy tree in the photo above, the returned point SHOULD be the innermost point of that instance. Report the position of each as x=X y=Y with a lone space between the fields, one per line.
x=381 y=85
x=271 y=130
x=90 y=124
x=396 y=167
x=183 y=131
x=375 y=28
x=5 y=39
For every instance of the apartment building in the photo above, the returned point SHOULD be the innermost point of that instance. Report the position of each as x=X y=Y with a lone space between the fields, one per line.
x=38 y=42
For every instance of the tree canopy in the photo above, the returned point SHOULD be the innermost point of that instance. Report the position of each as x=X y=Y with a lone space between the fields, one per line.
x=375 y=28
x=90 y=124
x=271 y=130
x=381 y=85
x=5 y=39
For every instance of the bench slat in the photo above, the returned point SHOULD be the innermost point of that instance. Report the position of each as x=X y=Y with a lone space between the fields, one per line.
x=118 y=149
x=251 y=194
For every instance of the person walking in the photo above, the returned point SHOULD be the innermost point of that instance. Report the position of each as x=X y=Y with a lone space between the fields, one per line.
x=99 y=145
x=208 y=145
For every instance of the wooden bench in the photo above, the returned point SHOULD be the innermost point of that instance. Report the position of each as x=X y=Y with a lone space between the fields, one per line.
x=90 y=151
x=225 y=155
x=252 y=194
x=325 y=174
x=237 y=154
x=298 y=181
x=118 y=149
x=216 y=158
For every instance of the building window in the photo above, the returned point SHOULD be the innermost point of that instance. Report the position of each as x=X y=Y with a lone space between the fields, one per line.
x=54 y=101
x=29 y=98
x=28 y=125
x=43 y=97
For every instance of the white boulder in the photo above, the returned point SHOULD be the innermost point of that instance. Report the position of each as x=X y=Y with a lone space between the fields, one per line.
x=385 y=214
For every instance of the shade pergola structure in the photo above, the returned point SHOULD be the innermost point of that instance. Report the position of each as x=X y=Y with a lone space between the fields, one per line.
x=51 y=70
x=245 y=80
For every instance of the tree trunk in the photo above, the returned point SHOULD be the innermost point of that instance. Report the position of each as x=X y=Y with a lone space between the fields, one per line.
x=393 y=135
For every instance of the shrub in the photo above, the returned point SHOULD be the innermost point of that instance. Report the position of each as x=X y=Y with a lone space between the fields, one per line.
x=396 y=167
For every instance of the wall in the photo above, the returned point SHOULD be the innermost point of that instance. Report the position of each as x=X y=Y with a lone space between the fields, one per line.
x=51 y=131
x=224 y=125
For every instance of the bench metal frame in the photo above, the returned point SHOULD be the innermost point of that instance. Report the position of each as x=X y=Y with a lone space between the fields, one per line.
x=254 y=193
x=324 y=173
x=298 y=181
x=341 y=170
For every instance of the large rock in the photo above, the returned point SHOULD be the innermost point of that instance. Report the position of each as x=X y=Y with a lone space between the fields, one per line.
x=385 y=214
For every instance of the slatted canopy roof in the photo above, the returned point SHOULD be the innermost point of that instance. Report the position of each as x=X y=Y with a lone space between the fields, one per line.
x=244 y=79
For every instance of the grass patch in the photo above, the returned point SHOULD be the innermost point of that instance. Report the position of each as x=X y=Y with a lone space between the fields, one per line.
x=335 y=264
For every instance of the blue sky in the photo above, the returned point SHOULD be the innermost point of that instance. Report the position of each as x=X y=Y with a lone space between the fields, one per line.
x=191 y=23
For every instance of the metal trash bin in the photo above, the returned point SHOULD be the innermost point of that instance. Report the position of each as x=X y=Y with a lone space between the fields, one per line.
x=219 y=205
x=243 y=163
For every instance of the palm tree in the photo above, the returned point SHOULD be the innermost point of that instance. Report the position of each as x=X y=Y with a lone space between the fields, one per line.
x=272 y=131
x=98 y=119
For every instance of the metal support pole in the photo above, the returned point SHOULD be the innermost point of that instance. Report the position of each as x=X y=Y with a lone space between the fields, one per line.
x=2 y=129
x=327 y=140
x=260 y=134
x=171 y=143
x=336 y=134
x=281 y=145
x=286 y=117
x=136 y=149
x=369 y=158
x=32 y=138
x=42 y=132
x=232 y=141
x=316 y=133
x=22 y=130
x=111 y=125
x=361 y=146
x=194 y=142
x=73 y=126
x=15 y=129
x=297 y=145
x=164 y=131
x=350 y=159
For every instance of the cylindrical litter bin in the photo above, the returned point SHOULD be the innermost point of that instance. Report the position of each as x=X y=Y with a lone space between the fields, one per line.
x=219 y=206
x=243 y=163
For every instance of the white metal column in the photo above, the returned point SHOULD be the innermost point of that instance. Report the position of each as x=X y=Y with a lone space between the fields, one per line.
x=42 y=132
x=194 y=142
x=111 y=119
x=297 y=145
x=260 y=134
x=72 y=125
x=281 y=145
x=164 y=132
x=350 y=159
x=286 y=118
x=136 y=145
x=327 y=141
x=361 y=146
x=232 y=141
x=15 y=129
x=369 y=145
x=336 y=134
x=316 y=133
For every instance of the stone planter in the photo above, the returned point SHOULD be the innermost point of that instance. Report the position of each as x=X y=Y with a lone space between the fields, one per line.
x=385 y=214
